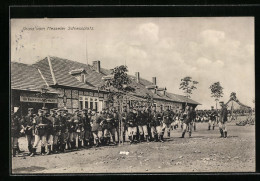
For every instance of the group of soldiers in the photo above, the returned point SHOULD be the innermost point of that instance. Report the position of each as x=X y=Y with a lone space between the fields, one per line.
x=57 y=130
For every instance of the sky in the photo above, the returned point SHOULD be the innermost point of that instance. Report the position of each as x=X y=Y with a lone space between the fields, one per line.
x=208 y=49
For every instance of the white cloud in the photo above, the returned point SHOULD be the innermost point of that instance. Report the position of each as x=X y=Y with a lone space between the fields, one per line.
x=212 y=37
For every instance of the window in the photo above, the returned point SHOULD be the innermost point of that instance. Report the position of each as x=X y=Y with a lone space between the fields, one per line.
x=90 y=102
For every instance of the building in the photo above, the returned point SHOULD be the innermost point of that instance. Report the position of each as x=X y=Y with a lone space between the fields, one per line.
x=58 y=83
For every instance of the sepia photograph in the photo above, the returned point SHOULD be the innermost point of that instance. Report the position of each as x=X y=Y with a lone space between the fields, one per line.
x=132 y=95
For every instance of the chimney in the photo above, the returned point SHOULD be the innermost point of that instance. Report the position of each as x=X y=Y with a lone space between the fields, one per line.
x=164 y=91
x=154 y=80
x=155 y=90
x=137 y=76
x=96 y=65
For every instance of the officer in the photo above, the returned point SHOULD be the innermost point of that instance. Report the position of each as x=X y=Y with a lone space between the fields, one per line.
x=223 y=120
x=123 y=123
x=212 y=118
x=131 y=125
x=142 y=120
x=167 y=120
x=15 y=132
x=116 y=121
x=105 y=137
x=193 y=118
x=153 y=124
x=51 y=130
x=187 y=119
x=91 y=138
x=61 y=129
x=41 y=124
x=87 y=127
x=96 y=128
x=28 y=129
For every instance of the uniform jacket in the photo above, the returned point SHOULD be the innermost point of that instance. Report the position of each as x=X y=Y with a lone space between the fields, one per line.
x=28 y=124
x=131 y=119
x=158 y=119
x=61 y=121
x=223 y=115
x=142 y=118
x=187 y=116
x=52 y=128
x=41 y=129
x=213 y=115
x=86 y=122
x=96 y=120
x=110 y=120
x=167 y=117
x=76 y=123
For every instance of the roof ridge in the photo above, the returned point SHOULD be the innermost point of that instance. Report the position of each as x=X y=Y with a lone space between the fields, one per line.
x=52 y=72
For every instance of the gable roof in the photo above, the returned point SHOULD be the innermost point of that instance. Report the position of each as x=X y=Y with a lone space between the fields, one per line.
x=57 y=71
x=26 y=77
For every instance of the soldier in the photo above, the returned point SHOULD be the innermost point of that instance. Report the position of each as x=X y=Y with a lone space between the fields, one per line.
x=223 y=120
x=159 y=125
x=123 y=123
x=131 y=125
x=15 y=132
x=142 y=120
x=61 y=130
x=187 y=119
x=41 y=124
x=212 y=118
x=87 y=127
x=91 y=137
x=111 y=129
x=96 y=127
x=51 y=131
x=76 y=123
x=193 y=118
x=104 y=139
x=167 y=120
x=28 y=129
x=116 y=121
x=153 y=124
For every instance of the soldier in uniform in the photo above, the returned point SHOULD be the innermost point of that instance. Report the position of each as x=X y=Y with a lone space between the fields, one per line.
x=212 y=118
x=61 y=130
x=193 y=118
x=50 y=131
x=142 y=120
x=167 y=120
x=91 y=137
x=96 y=128
x=103 y=127
x=187 y=119
x=123 y=123
x=15 y=132
x=131 y=125
x=28 y=129
x=116 y=122
x=223 y=120
x=41 y=124
x=111 y=129
x=87 y=127
x=159 y=125
x=153 y=124
x=76 y=129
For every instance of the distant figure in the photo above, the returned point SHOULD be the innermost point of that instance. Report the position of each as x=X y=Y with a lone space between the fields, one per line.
x=223 y=120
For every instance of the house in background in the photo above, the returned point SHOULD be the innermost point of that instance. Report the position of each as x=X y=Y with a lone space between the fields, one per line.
x=59 y=83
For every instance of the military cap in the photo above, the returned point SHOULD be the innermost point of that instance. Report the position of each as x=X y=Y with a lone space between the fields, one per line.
x=212 y=106
x=76 y=111
x=44 y=108
x=40 y=110
x=30 y=109
x=85 y=109
x=221 y=102
x=94 y=109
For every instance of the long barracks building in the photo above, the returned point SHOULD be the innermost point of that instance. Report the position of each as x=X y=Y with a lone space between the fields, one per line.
x=59 y=83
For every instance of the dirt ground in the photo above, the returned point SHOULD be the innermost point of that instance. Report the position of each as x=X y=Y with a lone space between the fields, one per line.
x=204 y=152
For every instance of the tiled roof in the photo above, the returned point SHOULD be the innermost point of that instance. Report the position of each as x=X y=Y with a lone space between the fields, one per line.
x=26 y=77
x=57 y=70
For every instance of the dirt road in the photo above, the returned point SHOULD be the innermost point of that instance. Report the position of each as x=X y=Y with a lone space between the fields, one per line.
x=204 y=152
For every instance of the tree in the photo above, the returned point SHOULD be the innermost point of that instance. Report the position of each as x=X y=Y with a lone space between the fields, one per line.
x=233 y=97
x=216 y=92
x=188 y=85
x=117 y=84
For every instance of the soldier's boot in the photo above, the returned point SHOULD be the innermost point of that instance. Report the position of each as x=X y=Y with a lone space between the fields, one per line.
x=42 y=150
x=54 y=149
x=30 y=149
x=33 y=152
x=140 y=138
x=114 y=140
x=209 y=127
x=225 y=134
x=183 y=134
x=123 y=138
x=189 y=134
x=63 y=146
x=97 y=142
x=161 y=138
x=48 y=150
x=195 y=128
x=155 y=138
x=169 y=134
x=221 y=133
x=14 y=152
x=213 y=127
x=147 y=138
x=134 y=139
x=130 y=139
